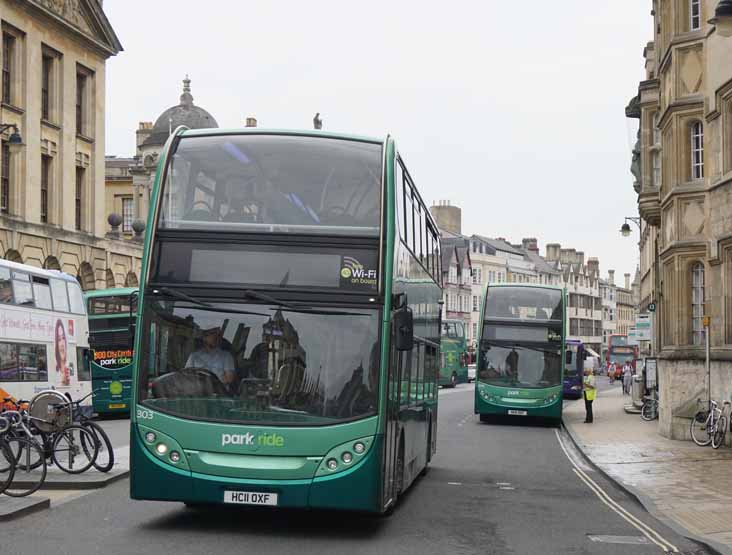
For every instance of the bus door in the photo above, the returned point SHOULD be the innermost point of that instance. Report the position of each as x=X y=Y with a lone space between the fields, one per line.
x=391 y=431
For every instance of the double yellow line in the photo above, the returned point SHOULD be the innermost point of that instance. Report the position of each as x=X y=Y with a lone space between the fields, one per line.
x=642 y=527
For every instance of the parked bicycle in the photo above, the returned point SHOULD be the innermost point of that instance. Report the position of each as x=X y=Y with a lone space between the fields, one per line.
x=707 y=422
x=25 y=455
x=7 y=460
x=722 y=425
x=649 y=410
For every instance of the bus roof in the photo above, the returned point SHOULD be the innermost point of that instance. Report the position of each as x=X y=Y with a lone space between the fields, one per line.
x=115 y=292
x=525 y=285
x=261 y=131
x=38 y=271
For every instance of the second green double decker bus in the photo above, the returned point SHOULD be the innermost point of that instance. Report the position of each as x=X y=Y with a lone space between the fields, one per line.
x=288 y=324
x=521 y=352
x=111 y=354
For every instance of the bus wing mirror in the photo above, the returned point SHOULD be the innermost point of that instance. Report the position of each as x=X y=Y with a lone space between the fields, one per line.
x=568 y=357
x=403 y=322
x=134 y=296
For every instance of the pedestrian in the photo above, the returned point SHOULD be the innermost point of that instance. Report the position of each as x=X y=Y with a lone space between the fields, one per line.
x=627 y=378
x=589 y=392
x=611 y=372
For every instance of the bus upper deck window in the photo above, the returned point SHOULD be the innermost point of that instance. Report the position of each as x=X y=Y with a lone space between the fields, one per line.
x=22 y=289
x=76 y=298
x=59 y=295
x=42 y=293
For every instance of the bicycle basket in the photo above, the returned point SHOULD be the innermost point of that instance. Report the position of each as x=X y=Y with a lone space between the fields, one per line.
x=701 y=417
x=52 y=411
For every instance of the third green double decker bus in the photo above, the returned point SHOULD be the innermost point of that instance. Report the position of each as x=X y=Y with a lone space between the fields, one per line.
x=454 y=354
x=288 y=324
x=111 y=355
x=521 y=352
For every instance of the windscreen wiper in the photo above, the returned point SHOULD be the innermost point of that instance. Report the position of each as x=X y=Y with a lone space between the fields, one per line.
x=205 y=305
x=520 y=347
x=290 y=307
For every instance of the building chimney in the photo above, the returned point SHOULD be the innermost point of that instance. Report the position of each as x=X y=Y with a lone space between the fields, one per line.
x=627 y=281
x=531 y=244
x=611 y=277
x=552 y=252
x=447 y=217
x=580 y=258
x=593 y=267
x=144 y=129
x=251 y=122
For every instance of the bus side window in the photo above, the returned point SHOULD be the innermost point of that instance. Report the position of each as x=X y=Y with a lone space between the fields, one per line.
x=6 y=287
x=422 y=372
x=399 y=194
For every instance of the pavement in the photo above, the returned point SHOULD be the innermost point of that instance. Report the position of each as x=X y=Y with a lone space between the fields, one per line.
x=511 y=487
x=683 y=485
x=61 y=487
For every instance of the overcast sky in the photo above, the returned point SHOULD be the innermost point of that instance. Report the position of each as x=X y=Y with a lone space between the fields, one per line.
x=513 y=111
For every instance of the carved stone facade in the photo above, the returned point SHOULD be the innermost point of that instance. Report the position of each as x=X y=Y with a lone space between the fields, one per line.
x=52 y=191
x=685 y=203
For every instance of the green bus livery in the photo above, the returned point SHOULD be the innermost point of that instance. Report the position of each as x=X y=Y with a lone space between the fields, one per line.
x=111 y=355
x=288 y=326
x=454 y=354
x=521 y=352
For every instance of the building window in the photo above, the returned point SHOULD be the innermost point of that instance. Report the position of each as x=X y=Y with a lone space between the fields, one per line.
x=695 y=15
x=8 y=53
x=45 y=176
x=475 y=330
x=656 y=160
x=78 y=196
x=81 y=85
x=46 y=70
x=656 y=128
x=452 y=278
x=5 y=179
x=475 y=303
x=697 y=303
x=697 y=150
x=127 y=213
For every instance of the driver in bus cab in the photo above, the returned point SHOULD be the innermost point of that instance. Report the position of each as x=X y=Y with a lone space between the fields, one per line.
x=212 y=357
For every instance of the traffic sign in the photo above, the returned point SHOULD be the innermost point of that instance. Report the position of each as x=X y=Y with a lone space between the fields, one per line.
x=643 y=327
x=652 y=307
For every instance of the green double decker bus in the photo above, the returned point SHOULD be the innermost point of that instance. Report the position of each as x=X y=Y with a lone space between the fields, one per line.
x=111 y=355
x=521 y=352
x=288 y=326
x=454 y=354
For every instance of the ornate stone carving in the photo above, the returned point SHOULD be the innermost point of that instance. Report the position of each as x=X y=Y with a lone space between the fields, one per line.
x=71 y=11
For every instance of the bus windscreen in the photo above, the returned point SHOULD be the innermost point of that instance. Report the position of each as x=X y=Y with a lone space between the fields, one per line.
x=523 y=303
x=274 y=183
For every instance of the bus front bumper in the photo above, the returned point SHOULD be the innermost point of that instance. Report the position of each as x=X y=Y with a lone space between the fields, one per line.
x=357 y=488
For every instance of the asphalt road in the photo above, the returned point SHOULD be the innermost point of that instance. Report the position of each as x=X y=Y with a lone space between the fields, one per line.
x=492 y=489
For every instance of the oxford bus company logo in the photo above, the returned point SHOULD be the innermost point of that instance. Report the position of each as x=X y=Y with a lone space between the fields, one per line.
x=353 y=270
x=253 y=440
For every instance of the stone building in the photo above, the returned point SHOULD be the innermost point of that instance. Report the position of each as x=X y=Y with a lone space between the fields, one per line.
x=119 y=193
x=683 y=177
x=52 y=209
x=625 y=307
x=608 y=294
x=456 y=278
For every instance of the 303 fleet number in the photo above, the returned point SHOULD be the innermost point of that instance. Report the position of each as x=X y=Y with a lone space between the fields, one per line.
x=144 y=414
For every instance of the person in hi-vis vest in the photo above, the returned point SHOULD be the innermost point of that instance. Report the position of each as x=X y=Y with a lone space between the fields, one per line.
x=589 y=391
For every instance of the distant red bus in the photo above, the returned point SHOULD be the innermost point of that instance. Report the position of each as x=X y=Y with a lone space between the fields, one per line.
x=619 y=352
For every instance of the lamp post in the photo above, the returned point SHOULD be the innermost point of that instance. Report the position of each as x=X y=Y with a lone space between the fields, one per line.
x=15 y=141
x=625 y=229
x=722 y=19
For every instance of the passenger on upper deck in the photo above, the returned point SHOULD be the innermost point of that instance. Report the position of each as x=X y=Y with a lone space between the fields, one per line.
x=212 y=357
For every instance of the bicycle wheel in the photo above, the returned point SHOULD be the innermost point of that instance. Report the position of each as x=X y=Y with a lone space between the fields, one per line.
x=68 y=453
x=7 y=465
x=30 y=466
x=719 y=432
x=647 y=412
x=105 y=454
x=700 y=427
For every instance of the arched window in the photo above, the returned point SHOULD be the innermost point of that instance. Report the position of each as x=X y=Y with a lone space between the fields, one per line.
x=697 y=303
x=697 y=150
x=694 y=15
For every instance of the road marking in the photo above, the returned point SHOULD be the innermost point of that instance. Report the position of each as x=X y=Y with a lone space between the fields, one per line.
x=626 y=540
x=454 y=483
x=507 y=488
x=499 y=484
x=641 y=526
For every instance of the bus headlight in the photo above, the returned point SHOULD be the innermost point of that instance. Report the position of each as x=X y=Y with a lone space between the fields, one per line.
x=332 y=464
x=347 y=458
x=344 y=456
x=161 y=448
x=175 y=456
x=549 y=400
x=150 y=437
x=359 y=448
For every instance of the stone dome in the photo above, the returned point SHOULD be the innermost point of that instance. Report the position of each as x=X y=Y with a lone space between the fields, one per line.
x=185 y=113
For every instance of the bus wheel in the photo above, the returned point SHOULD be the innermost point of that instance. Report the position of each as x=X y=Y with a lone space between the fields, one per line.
x=453 y=380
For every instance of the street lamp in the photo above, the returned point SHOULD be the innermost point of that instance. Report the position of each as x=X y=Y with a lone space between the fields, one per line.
x=625 y=230
x=15 y=141
x=722 y=19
